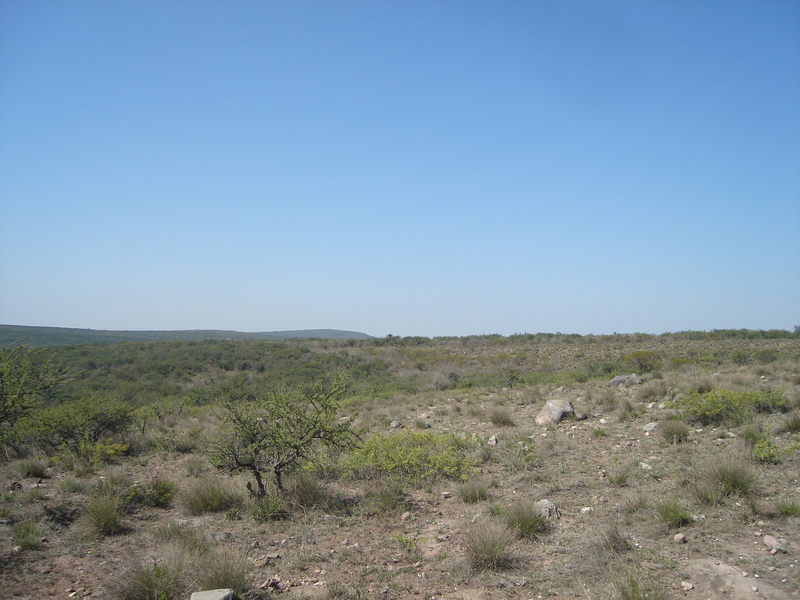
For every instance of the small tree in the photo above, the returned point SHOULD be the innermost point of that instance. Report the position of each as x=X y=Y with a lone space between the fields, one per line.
x=279 y=431
x=24 y=384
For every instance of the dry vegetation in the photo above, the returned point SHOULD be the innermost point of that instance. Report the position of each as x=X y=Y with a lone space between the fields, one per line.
x=706 y=445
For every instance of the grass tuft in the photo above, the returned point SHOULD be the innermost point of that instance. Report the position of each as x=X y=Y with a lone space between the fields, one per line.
x=487 y=546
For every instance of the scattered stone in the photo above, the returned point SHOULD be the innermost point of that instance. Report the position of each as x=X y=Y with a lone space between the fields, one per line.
x=580 y=416
x=645 y=466
x=772 y=543
x=492 y=441
x=554 y=411
x=586 y=510
x=680 y=538
x=652 y=426
x=624 y=379
x=222 y=594
x=686 y=586
x=405 y=516
x=446 y=494
x=394 y=424
x=603 y=421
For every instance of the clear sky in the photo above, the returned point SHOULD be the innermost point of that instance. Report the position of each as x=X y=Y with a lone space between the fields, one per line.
x=407 y=167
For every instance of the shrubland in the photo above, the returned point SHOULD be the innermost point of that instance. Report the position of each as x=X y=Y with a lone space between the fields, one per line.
x=397 y=466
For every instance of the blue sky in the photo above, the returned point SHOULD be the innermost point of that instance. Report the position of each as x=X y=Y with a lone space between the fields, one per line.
x=416 y=168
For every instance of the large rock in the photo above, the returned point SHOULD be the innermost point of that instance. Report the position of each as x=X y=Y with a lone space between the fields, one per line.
x=554 y=411
x=213 y=595
x=625 y=379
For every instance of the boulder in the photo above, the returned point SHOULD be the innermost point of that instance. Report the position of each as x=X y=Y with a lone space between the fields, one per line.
x=222 y=594
x=554 y=411
x=625 y=379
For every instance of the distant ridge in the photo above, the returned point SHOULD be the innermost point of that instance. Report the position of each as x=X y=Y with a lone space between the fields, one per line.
x=66 y=336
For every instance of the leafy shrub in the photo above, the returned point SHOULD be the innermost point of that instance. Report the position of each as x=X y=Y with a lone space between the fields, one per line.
x=270 y=507
x=525 y=519
x=414 y=456
x=473 y=491
x=765 y=356
x=209 y=494
x=73 y=485
x=719 y=406
x=27 y=536
x=766 y=451
x=674 y=431
x=642 y=361
x=673 y=513
x=487 y=545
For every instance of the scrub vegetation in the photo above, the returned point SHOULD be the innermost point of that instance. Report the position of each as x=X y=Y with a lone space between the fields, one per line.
x=400 y=466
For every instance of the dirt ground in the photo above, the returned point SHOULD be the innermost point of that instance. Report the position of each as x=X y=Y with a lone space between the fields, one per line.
x=605 y=474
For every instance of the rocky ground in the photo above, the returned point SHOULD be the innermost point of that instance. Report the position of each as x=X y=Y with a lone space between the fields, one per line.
x=606 y=473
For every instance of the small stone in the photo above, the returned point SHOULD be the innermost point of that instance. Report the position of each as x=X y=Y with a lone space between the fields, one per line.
x=754 y=589
x=446 y=494
x=586 y=510
x=492 y=441
x=745 y=574
x=680 y=538
x=394 y=424
x=652 y=426
x=686 y=586
x=771 y=542
x=757 y=534
x=405 y=516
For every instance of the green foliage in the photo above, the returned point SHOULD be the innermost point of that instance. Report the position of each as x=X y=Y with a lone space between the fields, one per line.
x=487 y=546
x=160 y=493
x=673 y=513
x=280 y=431
x=642 y=361
x=719 y=406
x=25 y=382
x=765 y=356
x=766 y=451
x=787 y=508
x=413 y=456
x=80 y=422
x=525 y=519
x=270 y=507
x=101 y=452
x=408 y=544
x=725 y=476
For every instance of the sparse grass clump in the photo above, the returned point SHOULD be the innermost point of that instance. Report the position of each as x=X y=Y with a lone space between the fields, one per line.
x=487 y=546
x=473 y=491
x=792 y=423
x=209 y=494
x=104 y=514
x=636 y=584
x=787 y=508
x=725 y=476
x=674 y=514
x=27 y=536
x=389 y=498
x=223 y=571
x=161 y=581
x=675 y=431
x=501 y=417
x=525 y=519
x=35 y=468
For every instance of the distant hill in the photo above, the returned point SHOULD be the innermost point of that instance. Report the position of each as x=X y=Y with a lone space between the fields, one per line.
x=65 y=336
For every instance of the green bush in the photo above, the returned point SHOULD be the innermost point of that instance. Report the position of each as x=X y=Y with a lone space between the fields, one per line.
x=160 y=493
x=719 y=406
x=642 y=361
x=413 y=456
x=270 y=507
x=766 y=451
x=787 y=508
x=725 y=476
x=500 y=417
